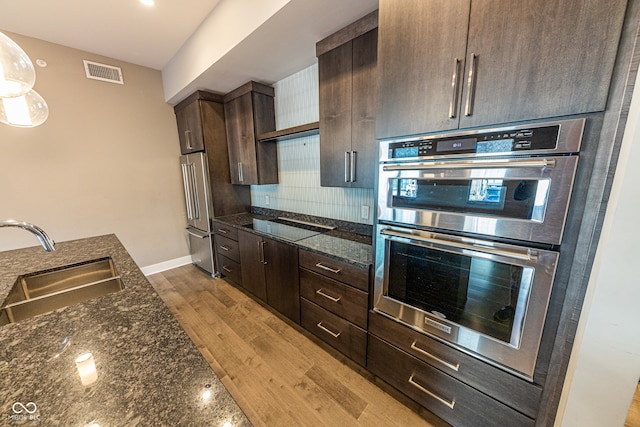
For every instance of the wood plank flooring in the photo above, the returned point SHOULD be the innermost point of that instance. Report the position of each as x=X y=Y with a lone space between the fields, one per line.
x=633 y=417
x=279 y=374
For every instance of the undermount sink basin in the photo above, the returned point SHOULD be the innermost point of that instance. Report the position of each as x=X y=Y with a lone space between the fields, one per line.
x=50 y=290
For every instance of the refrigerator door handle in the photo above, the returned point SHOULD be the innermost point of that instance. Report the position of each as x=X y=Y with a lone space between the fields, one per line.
x=194 y=191
x=186 y=179
x=198 y=235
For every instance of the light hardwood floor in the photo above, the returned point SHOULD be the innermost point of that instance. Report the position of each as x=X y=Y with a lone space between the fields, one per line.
x=633 y=418
x=279 y=374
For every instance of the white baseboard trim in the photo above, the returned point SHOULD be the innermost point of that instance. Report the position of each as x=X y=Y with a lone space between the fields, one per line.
x=166 y=265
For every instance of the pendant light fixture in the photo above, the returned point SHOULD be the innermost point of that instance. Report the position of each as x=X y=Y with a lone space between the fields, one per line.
x=20 y=105
x=17 y=74
x=28 y=110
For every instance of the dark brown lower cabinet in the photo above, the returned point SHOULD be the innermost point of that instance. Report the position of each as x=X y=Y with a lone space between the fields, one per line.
x=344 y=336
x=450 y=399
x=270 y=272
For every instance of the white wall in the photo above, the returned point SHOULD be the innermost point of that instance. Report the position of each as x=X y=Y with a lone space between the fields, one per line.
x=106 y=160
x=605 y=364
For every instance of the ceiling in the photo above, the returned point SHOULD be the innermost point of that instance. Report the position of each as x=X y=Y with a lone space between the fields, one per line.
x=121 y=29
x=127 y=30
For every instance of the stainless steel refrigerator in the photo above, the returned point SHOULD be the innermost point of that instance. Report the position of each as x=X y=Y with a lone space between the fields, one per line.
x=197 y=195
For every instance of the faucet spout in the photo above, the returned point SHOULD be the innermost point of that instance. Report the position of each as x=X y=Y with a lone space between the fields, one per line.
x=47 y=243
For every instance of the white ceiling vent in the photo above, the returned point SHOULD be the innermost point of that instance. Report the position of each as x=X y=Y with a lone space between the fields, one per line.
x=106 y=73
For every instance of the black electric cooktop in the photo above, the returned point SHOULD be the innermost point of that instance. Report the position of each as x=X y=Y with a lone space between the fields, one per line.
x=283 y=231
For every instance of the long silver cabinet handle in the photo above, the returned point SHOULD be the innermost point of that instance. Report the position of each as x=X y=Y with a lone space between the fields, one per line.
x=261 y=252
x=225 y=248
x=453 y=105
x=324 y=267
x=223 y=230
x=327 y=296
x=352 y=167
x=187 y=136
x=525 y=256
x=475 y=164
x=347 y=162
x=449 y=404
x=471 y=85
x=333 y=334
x=240 y=172
x=436 y=358
x=227 y=269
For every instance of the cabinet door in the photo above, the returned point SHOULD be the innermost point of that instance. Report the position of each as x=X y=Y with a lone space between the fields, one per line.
x=363 y=109
x=421 y=48
x=241 y=138
x=252 y=263
x=335 y=94
x=538 y=59
x=281 y=271
x=190 y=128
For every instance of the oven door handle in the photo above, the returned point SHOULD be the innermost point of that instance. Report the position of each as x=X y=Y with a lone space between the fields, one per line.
x=476 y=164
x=528 y=256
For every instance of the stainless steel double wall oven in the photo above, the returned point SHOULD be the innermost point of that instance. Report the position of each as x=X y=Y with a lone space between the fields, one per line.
x=469 y=228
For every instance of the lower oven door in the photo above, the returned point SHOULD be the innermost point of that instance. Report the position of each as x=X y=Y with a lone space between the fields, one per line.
x=517 y=198
x=486 y=298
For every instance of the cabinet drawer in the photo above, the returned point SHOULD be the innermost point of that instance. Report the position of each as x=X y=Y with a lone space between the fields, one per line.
x=335 y=269
x=450 y=399
x=342 y=335
x=225 y=230
x=230 y=269
x=507 y=388
x=227 y=248
x=343 y=300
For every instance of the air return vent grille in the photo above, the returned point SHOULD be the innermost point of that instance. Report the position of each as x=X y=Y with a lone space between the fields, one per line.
x=106 y=73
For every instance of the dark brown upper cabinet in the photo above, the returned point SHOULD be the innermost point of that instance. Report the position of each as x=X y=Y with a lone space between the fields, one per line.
x=189 y=116
x=201 y=126
x=448 y=64
x=347 y=92
x=249 y=112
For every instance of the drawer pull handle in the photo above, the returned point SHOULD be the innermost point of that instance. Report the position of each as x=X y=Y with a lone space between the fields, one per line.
x=324 y=267
x=333 y=334
x=435 y=396
x=223 y=230
x=436 y=358
x=225 y=248
x=227 y=269
x=327 y=296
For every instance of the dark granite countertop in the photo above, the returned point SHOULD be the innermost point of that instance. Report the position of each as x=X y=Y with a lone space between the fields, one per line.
x=149 y=371
x=342 y=244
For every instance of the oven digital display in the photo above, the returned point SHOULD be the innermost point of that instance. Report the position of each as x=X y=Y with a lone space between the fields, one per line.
x=456 y=145
x=402 y=152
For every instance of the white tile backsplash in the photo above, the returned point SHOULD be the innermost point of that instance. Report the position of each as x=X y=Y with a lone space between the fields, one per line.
x=298 y=190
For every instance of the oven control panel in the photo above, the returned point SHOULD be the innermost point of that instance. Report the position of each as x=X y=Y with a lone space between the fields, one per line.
x=506 y=141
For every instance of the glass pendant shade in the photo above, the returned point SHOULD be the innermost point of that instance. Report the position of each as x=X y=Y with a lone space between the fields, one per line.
x=17 y=75
x=28 y=110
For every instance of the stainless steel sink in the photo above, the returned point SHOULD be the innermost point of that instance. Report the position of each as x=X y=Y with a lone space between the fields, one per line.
x=49 y=290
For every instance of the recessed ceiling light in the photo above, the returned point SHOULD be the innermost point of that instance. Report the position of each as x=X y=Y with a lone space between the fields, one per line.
x=148 y=2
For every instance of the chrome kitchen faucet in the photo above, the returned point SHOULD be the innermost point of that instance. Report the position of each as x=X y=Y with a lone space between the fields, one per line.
x=45 y=240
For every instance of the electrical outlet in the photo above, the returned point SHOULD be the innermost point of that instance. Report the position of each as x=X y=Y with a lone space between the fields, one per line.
x=364 y=212
x=266 y=200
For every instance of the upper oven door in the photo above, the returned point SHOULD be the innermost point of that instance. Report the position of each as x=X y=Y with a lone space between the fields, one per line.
x=517 y=198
